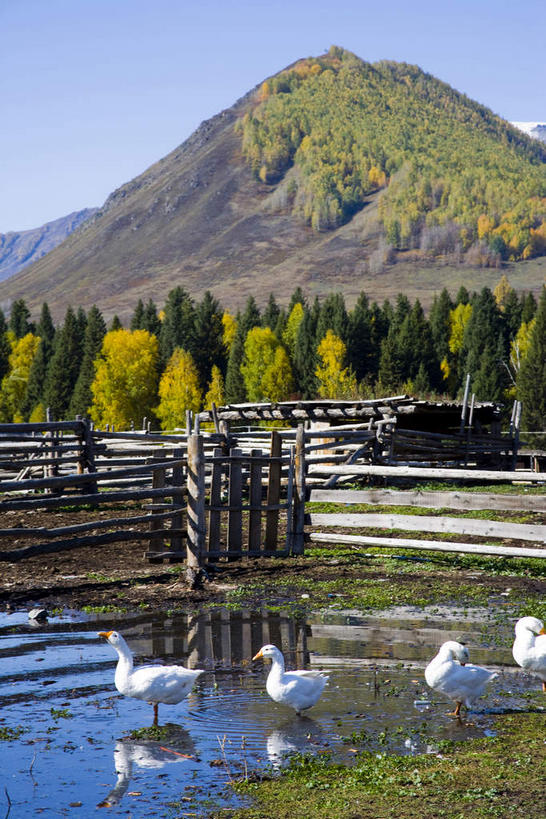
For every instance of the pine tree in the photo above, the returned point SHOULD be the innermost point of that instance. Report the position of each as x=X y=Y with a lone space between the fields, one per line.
x=250 y=317
x=64 y=367
x=208 y=348
x=333 y=316
x=528 y=308
x=512 y=315
x=271 y=313
x=115 y=324
x=19 y=322
x=150 y=319
x=36 y=382
x=305 y=355
x=531 y=383
x=440 y=323
x=235 y=385
x=137 y=317
x=463 y=296
x=297 y=297
x=177 y=328
x=5 y=346
x=82 y=397
x=482 y=332
x=359 y=338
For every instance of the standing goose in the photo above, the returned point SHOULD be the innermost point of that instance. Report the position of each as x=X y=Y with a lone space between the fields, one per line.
x=449 y=674
x=153 y=683
x=298 y=689
x=529 y=649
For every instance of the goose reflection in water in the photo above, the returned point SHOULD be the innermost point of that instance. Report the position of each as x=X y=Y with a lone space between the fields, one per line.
x=149 y=754
x=293 y=737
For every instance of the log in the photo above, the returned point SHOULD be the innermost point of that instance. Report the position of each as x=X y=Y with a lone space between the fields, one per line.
x=427 y=545
x=426 y=523
x=431 y=500
x=429 y=472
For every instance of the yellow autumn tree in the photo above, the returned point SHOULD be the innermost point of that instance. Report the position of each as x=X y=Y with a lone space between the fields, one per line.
x=125 y=385
x=15 y=382
x=266 y=373
x=290 y=332
x=278 y=381
x=458 y=319
x=502 y=291
x=335 y=380
x=230 y=328
x=216 y=391
x=178 y=390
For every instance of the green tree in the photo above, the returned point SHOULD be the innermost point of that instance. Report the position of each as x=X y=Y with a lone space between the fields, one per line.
x=333 y=316
x=115 y=324
x=138 y=316
x=271 y=313
x=19 y=323
x=482 y=332
x=235 y=384
x=82 y=397
x=64 y=367
x=177 y=328
x=5 y=346
x=359 y=339
x=40 y=364
x=531 y=382
x=305 y=355
x=250 y=317
x=125 y=385
x=440 y=323
x=208 y=348
x=179 y=390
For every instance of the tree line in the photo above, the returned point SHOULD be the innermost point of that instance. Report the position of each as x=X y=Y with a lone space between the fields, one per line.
x=189 y=354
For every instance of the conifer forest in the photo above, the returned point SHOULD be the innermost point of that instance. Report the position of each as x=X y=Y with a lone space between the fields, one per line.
x=185 y=355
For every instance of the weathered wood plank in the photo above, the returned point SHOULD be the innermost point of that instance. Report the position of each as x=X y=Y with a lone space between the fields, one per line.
x=427 y=545
x=273 y=494
x=426 y=523
x=255 y=498
x=431 y=500
x=195 y=508
x=428 y=472
x=215 y=502
x=235 y=518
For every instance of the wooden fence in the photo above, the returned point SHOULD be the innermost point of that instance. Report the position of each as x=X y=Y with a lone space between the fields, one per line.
x=222 y=495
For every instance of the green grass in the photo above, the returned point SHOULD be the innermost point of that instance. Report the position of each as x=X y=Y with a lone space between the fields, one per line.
x=495 y=777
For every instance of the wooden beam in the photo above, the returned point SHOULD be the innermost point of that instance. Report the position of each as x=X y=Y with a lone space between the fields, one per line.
x=427 y=545
x=426 y=523
x=431 y=500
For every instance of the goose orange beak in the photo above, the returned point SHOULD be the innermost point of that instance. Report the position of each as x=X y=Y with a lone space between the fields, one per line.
x=258 y=655
x=542 y=631
x=105 y=634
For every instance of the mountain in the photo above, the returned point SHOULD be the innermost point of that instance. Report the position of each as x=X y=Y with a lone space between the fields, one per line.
x=20 y=248
x=335 y=174
x=537 y=130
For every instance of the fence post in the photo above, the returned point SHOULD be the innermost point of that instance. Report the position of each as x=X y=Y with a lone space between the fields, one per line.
x=298 y=542
x=235 y=515
x=196 y=509
x=273 y=494
x=157 y=545
x=255 y=500
x=177 y=502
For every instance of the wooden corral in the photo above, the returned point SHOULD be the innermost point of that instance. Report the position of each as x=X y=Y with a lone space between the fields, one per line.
x=241 y=492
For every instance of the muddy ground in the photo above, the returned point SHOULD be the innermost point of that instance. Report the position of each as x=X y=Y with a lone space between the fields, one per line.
x=119 y=575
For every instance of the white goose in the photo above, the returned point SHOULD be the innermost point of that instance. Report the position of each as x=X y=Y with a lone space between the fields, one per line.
x=449 y=674
x=298 y=689
x=529 y=649
x=153 y=683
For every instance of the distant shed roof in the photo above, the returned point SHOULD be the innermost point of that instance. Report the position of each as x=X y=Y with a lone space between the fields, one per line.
x=416 y=413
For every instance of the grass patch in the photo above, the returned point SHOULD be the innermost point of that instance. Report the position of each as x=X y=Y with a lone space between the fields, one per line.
x=494 y=777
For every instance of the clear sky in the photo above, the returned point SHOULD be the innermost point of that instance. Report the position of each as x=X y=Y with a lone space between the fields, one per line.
x=92 y=92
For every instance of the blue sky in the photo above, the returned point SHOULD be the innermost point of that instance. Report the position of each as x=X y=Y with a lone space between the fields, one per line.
x=94 y=91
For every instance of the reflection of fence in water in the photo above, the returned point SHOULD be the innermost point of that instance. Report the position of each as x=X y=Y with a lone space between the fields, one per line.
x=222 y=638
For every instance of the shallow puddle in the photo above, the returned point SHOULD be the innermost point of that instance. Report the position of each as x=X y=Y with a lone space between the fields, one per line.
x=63 y=724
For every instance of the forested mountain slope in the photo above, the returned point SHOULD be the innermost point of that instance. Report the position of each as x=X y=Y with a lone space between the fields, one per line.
x=336 y=175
